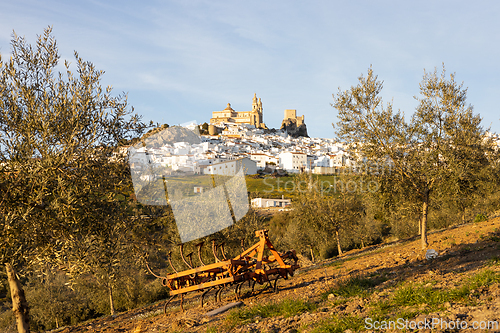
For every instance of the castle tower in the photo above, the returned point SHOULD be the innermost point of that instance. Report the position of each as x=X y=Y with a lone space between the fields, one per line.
x=290 y=114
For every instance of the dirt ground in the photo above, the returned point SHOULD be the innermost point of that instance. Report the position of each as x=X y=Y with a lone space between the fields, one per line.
x=463 y=250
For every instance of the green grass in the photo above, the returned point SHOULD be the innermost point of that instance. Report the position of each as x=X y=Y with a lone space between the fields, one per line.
x=404 y=301
x=339 y=324
x=381 y=310
x=286 y=308
x=493 y=261
x=276 y=187
x=354 y=286
x=407 y=300
x=418 y=295
x=483 y=278
x=335 y=264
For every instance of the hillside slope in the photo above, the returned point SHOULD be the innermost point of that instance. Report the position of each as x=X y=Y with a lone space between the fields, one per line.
x=359 y=292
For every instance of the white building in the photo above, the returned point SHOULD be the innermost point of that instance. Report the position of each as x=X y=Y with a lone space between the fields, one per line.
x=139 y=156
x=338 y=160
x=232 y=167
x=260 y=160
x=322 y=162
x=293 y=161
x=310 y=162
x=263 y=159
x=265 y=203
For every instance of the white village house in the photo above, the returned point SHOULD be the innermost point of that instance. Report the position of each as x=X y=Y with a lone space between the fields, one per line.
x=292 y=161
x=232 y=167
x=263 y=159
x=265 y=203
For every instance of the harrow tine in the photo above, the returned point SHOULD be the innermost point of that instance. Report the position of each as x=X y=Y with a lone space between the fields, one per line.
x=267 y=286
x=236 y=293
x=253 y=285
x=237 y=290
x=203 y=295
x=219 y=293
x=150 y=271
x=189 y=256
x=166 y=303
x=169 y=257
x=214 y=251
x=276 y=288
x=242 y=245
x=222 y=250
x=199 y=245
x=181 y=250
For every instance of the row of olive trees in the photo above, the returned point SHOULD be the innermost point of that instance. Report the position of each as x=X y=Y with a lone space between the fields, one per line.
x=439 y=159
x=322 y=223
x=440 y=153
x=65 y=199
x=55 y=303
x=326 y=221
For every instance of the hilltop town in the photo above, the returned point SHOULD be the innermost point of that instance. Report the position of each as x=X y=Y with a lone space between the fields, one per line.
x=235 y=138
x=241 y=137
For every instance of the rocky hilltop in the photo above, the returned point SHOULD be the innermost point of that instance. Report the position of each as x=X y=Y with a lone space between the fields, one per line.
x=291 y=127
x=160 y=137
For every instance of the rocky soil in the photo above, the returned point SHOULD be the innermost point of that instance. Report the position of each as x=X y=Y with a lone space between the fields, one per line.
x=394 y=281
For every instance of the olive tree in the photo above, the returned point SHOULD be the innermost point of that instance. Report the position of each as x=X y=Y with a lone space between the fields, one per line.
x=424 y=151
x=58 y=132
x=321 y=215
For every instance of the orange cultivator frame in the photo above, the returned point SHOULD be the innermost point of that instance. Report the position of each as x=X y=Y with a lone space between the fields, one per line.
x=251 y=265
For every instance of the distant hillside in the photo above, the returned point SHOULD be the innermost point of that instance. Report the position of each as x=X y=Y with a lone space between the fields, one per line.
x=169 y=135
x=164 y=134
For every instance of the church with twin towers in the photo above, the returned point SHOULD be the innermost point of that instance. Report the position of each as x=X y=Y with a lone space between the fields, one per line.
x=254 y=117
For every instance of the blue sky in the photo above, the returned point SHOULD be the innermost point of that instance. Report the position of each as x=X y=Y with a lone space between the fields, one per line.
x=180 y=60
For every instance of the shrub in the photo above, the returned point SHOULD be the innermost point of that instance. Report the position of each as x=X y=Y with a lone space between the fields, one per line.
x=480 y=218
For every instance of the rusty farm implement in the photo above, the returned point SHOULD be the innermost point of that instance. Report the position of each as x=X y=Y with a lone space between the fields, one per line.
x=260 y=263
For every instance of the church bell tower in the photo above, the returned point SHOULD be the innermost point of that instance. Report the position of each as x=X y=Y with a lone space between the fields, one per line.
x=256 y=117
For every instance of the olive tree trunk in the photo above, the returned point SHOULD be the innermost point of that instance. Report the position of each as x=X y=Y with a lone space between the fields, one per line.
x=19 y=304
x=338 y=243
x=423 y=229
x=111 y=300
